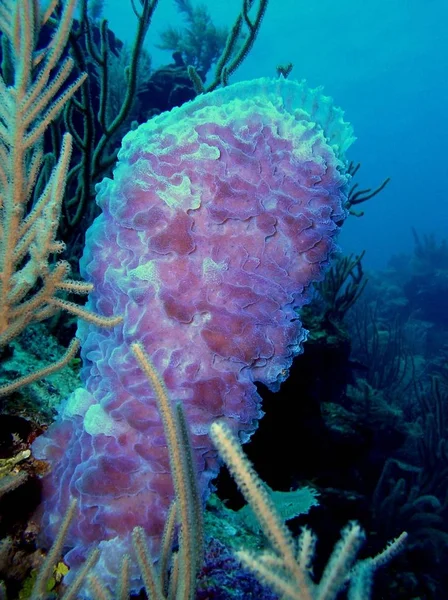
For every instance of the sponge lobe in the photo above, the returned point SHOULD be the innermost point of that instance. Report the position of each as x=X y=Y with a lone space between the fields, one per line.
x=219 y=217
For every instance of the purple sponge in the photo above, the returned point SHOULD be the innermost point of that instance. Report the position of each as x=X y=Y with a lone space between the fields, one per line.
x=220 y=215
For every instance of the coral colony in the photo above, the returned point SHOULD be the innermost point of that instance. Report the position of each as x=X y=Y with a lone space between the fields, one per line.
x=219 y=216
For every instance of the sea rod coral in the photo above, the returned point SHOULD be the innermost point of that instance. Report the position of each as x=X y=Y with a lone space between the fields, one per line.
x=220 y=215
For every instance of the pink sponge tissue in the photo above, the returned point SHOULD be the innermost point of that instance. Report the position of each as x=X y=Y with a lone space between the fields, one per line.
x=219 y=217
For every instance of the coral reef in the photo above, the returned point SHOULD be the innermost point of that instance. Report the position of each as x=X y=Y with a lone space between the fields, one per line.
x=209 y=252
x=201 y=43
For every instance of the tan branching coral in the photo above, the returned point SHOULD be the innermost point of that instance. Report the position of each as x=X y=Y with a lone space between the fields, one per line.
x=33 y=92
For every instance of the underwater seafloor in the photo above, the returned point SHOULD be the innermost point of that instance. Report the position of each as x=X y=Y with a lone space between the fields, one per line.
x=357 y=432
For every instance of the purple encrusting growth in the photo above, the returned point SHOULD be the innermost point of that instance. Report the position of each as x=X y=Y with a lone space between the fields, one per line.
x=220 y=215
x=223 y=577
